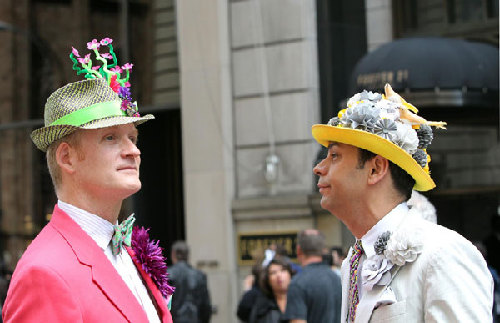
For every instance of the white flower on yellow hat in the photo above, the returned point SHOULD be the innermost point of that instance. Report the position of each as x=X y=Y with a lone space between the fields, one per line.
x=406 y=138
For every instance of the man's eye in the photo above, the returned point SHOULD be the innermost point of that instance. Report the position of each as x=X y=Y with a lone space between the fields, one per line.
x=133 y=140
x=109 y=137
x=334 y=155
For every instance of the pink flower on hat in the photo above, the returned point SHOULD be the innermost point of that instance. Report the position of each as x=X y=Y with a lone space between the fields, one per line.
x=106 y=41
x=84 y=60
x=127 y=66
x=116 y=69
x=75 y=52
x=94 y=44
x=114 y=84
x=106 y=55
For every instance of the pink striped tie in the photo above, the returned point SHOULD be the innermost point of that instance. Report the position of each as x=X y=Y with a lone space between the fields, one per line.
x=353 y=287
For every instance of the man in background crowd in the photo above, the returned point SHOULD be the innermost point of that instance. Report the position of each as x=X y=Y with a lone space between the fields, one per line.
x=191 y=303
x=314 y=295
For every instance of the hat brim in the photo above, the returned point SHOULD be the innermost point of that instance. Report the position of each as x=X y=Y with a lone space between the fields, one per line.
x=324 y=134
x=44 y=137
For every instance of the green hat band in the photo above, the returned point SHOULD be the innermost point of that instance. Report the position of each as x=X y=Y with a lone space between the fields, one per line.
x=90 y=113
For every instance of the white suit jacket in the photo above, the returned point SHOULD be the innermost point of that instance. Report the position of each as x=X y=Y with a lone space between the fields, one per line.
x=448 y=282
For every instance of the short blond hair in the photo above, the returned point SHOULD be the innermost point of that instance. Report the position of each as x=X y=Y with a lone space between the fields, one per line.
x=73 y=139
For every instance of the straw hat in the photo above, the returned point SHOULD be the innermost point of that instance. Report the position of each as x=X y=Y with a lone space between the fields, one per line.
x=102 y=100
x=387 y=126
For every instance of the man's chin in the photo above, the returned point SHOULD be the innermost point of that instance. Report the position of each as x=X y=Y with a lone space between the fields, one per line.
x=131 y=189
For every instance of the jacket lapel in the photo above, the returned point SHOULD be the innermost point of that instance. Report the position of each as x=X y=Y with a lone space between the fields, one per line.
x=104 y=275
x=344 y=272
x=160 y=302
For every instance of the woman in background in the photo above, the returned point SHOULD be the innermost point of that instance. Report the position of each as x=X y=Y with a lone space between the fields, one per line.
x=271 y=303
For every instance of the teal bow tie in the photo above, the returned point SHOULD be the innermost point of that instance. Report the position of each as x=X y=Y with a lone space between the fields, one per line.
x=122 y=235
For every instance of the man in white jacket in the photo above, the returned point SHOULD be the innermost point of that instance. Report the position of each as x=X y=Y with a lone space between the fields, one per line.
x=402 y=268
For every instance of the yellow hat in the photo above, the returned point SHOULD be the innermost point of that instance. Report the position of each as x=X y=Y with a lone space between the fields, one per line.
x=384 y=125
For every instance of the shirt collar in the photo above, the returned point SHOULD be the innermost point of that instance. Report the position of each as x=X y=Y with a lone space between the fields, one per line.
x=100 y=230
x=388 y=223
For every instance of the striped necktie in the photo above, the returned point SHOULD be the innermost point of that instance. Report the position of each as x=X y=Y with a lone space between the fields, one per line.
x=353 y=287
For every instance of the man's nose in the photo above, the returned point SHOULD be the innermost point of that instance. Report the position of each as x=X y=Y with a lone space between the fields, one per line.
x=319 y=169
x=130 y=148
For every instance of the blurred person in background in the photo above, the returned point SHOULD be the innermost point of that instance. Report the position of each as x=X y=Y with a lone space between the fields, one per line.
x=270 y=304
x=283 y=254
x=251 y=290
x=422 y=207
x=492 y=243
x=314 y=295
x=337 y=258
x=191 y=303
x=496 y=282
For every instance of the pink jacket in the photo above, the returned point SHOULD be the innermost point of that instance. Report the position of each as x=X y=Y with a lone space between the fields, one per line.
x=65 y=277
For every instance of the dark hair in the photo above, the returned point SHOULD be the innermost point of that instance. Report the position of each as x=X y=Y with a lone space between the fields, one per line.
x=311 y=242
x=281 y=250
x=402 y=181
x=181 y=250
x=264 y=281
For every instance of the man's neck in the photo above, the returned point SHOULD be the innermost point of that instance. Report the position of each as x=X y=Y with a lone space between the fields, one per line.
x=106 y=209
x=363 y=219
x=307 y=260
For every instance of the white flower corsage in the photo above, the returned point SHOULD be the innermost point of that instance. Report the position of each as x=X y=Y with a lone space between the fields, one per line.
x=403 y=247
x=376 y=271
x=391 y=250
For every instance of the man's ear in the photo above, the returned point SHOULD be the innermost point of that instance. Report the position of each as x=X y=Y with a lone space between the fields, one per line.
x=379 y=167
x=65 y=157
x=299 y=251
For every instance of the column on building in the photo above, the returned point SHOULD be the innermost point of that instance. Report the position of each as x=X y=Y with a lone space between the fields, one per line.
x=207 y=140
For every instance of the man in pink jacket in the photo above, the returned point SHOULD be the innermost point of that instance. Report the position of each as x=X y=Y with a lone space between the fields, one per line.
x=83 y=266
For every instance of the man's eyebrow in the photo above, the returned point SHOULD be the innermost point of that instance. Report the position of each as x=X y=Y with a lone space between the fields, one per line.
x=333 y=143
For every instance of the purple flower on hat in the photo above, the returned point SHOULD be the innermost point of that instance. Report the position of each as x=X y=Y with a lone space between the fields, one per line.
x=116 y=69
x=124 y=105
x=106 y=55
x=127 y=66
x=106 y=41
x=94 y=44
x=124 y=93
x=75 y=52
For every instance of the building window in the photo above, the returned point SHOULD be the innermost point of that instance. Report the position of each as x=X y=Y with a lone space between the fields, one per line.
x=467 y=11
x=475 y=20
x=341 y=43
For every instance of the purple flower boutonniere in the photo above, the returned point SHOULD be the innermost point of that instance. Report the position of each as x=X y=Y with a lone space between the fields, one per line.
x=149 y=254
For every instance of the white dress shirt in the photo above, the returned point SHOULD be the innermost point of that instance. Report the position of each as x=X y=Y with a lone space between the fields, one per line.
x=101 y=231
x=389 y=222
